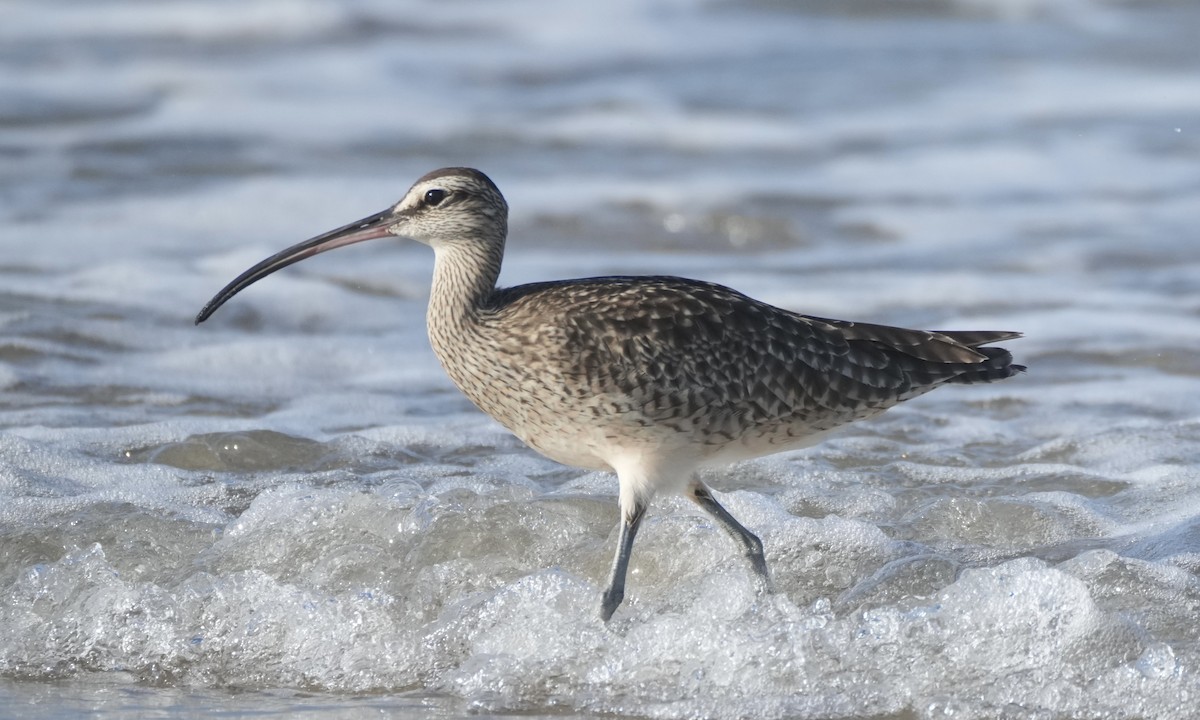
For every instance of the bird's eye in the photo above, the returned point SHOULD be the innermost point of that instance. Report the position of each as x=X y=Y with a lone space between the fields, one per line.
x=435 y=197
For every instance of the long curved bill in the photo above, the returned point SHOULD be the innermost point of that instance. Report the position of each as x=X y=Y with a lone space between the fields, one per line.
x=369 y=228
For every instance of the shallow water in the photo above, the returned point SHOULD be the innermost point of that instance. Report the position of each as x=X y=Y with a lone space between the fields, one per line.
x=290 y=511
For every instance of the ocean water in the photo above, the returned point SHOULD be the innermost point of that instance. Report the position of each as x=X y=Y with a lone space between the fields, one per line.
x=290 y=511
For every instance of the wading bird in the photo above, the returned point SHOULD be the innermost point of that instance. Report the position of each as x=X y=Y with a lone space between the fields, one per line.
x=651 y=377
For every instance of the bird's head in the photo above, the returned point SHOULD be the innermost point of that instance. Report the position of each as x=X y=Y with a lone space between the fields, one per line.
x=444 y=209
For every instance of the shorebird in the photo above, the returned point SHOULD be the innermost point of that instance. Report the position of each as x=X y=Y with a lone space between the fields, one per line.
x=653 y=377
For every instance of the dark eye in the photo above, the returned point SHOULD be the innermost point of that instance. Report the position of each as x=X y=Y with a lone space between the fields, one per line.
x=435 y=197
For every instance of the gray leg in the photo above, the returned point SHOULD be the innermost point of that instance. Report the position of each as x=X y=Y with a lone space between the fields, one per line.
x=616 y=583
x=701 y=495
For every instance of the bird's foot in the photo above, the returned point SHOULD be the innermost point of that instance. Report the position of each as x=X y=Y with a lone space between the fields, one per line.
x=610 y=601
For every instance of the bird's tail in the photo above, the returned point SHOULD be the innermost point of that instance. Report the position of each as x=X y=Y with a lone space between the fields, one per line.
x=997 y=363
x=933 y=357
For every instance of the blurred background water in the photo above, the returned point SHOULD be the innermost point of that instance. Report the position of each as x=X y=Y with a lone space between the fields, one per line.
x=290 y=510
